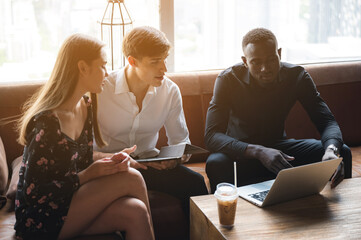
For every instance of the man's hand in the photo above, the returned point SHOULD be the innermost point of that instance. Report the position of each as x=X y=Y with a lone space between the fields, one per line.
x=273 y=159
x=339 y=174
x=185 y=158
x=163 y=165
x=329 y=154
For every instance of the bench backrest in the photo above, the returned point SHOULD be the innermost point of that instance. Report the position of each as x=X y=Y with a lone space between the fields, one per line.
x=338 y=83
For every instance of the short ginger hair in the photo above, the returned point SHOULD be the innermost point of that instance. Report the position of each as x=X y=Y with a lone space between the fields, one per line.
x=145 y=41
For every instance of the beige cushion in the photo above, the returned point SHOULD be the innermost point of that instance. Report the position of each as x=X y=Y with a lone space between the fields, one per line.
x=4 y=172
x=15 y=166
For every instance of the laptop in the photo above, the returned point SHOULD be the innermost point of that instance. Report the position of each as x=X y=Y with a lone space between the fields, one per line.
x=291 y=183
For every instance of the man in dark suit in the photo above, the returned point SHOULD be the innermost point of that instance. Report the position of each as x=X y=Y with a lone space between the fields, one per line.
x=246 y=116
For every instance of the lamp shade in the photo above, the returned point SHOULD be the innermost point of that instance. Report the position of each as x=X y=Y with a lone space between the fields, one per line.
x=116 y=22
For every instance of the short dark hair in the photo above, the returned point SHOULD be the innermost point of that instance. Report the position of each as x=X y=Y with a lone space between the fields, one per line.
x=258 y=35
x=145 y=41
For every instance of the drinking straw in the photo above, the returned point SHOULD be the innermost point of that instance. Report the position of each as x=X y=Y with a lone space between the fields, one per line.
x=235 y=173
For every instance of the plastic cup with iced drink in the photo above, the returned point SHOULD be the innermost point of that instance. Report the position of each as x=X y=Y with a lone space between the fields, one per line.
x=227 y=196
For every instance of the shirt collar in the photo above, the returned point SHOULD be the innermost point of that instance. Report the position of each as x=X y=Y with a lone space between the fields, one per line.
x=121 y=84
x=248 y=76
x=152 y=90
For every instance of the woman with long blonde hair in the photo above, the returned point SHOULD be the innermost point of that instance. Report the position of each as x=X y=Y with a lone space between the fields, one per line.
x=62 y=192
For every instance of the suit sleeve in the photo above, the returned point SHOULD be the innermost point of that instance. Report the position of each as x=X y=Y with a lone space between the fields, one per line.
x=216 y=139
x=319 y=112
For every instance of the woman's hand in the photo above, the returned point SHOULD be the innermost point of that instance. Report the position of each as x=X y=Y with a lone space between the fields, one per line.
x=118 y=162
x=122 y=161
x=130 y=150
x=102 y=167
x=133 y=163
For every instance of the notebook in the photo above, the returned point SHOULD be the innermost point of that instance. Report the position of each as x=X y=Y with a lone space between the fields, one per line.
x=291 y=183
x=174 y=152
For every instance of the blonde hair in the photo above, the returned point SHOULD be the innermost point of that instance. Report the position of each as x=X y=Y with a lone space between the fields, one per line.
x=62 y=82
x=145 y=41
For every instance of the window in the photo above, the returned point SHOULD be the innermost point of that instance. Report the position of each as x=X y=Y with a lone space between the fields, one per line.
x=208 y=33
x=205 y=34
x=31 y=31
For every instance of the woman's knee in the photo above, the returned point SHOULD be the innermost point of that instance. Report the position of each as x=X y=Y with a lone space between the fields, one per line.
x=134 y=173
x=137 y=178
x=133 y=178
x=134 y=212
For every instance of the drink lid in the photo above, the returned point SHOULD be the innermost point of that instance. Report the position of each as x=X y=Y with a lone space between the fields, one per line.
x=226 y=191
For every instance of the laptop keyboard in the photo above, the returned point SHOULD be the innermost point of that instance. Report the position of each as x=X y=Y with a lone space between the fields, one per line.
x=260 y=196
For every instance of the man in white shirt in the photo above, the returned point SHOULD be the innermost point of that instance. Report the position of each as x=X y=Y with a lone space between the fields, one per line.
x=136 y=102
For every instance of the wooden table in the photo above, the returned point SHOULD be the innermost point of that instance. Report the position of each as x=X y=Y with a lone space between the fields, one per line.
x=333 y=214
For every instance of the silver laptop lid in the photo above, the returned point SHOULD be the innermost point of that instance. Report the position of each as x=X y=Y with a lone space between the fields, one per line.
x=293 y=183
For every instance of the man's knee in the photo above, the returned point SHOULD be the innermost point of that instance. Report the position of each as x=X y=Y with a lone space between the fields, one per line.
x=216 y=161
x=186 y=180
x=218 y=169
x=197 y=183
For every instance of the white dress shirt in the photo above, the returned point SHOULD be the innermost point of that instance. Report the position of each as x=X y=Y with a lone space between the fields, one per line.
x=122 y=125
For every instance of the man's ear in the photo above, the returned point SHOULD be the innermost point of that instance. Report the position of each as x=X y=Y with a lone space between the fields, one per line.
x=131 y=61
x=83 y=67
x=279 y=52
x=244 y=59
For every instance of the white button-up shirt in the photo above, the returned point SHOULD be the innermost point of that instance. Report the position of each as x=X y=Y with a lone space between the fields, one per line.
x=122 y=125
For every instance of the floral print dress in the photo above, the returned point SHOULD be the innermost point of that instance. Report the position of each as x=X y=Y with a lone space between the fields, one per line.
x=48 y=175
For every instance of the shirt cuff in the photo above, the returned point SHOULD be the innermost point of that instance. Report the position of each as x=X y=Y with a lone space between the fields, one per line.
x=333 y=141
